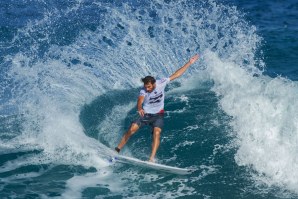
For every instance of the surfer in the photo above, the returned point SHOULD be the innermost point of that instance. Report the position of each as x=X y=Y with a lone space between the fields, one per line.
x=150 y=106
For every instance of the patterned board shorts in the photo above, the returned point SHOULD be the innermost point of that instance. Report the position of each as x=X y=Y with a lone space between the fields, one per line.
x=153 y=120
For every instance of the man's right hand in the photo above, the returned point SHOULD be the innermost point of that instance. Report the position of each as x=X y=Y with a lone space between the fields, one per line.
x=141 y=112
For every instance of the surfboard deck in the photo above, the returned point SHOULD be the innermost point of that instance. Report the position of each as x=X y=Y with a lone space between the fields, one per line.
x=151 y=165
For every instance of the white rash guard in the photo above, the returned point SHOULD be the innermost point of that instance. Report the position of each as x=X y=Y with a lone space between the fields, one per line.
x=154 y=101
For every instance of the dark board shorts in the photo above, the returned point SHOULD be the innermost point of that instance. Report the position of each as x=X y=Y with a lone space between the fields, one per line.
x=153 y=120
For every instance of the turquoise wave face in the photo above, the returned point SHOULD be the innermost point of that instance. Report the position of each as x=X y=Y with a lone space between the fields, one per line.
x=70 y=76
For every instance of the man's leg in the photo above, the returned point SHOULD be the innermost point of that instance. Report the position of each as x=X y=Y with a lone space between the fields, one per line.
x=155 y=142
x=133 y=128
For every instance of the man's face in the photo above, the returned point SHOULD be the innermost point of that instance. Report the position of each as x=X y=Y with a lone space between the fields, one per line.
x=149 y=87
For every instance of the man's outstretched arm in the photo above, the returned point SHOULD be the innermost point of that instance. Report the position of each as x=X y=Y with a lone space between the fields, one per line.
x=181 y=70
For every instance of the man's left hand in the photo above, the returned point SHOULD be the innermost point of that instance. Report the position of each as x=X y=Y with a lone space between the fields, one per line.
x=194 y=59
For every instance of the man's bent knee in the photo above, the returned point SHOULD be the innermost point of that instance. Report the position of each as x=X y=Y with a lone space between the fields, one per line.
x=133 y=128
x=156 y=131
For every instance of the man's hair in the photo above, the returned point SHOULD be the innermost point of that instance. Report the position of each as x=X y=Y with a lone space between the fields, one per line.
x=148 y=79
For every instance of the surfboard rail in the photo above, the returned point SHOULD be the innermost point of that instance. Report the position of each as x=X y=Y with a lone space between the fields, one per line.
x=152 y=165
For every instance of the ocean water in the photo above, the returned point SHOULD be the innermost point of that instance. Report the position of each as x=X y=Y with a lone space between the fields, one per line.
x=70 y=76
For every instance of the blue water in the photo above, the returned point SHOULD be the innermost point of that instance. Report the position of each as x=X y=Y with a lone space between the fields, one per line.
x=70 y=76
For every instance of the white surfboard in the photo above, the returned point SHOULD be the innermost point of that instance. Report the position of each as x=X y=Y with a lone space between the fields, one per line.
x=151 y=165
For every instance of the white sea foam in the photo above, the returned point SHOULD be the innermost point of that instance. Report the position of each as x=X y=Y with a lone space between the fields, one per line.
x=264 y=119
x=184 y=144
x=76 y=185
